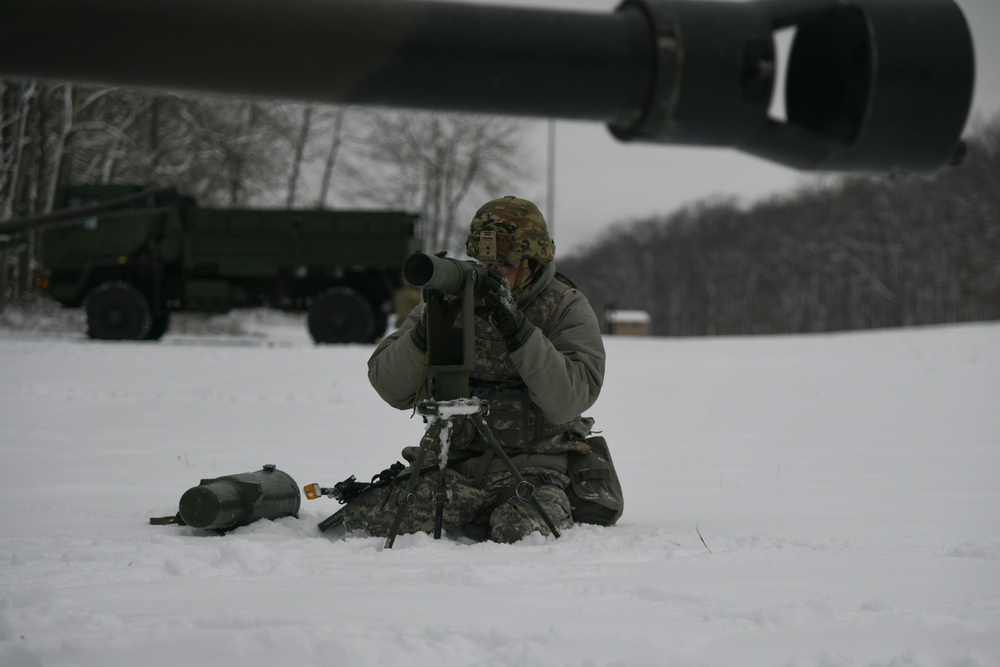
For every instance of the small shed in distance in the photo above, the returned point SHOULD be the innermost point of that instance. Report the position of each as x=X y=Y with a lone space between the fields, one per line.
x=627 y=322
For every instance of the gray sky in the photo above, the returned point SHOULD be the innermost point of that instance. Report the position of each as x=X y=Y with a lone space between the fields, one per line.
x=599 y=181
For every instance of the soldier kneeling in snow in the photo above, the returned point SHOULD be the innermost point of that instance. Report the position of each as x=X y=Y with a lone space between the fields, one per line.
x=539 y=364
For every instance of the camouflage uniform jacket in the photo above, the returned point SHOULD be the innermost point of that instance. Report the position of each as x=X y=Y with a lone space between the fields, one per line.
x=560 y=368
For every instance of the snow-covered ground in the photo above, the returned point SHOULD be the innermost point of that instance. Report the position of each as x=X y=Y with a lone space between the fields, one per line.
x=847 y=488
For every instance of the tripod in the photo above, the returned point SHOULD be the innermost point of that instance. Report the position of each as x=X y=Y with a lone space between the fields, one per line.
x=441 y=416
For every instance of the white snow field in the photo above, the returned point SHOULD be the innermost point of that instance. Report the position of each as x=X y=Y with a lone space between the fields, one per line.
x=847 y=488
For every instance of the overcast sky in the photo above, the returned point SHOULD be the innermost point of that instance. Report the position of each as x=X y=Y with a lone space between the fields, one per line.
x=599 y=180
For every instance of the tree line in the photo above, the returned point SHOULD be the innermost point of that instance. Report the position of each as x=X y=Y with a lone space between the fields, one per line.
x=853 y=252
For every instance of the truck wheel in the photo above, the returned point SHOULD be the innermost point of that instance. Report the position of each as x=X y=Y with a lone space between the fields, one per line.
x=378 y=330
x=159 y=326
x=341 y=315
x=117 y=311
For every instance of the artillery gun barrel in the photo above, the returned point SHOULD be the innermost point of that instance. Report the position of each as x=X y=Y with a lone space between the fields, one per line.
x=154 y=200
x=432 y=55
x=873 y=84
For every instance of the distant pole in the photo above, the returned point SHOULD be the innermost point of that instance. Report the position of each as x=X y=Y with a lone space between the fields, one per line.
x=550 y=198
x=3 y=271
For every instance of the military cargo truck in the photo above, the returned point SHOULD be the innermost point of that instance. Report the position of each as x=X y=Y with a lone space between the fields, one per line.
x=131 y=256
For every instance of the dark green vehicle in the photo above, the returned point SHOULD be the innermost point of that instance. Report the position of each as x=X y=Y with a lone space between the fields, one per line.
x=131 y=256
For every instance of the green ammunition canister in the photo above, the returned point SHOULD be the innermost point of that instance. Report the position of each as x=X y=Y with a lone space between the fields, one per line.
x=228 y=502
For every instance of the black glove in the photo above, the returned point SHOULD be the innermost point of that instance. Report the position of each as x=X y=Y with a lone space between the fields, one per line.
x=503 y=313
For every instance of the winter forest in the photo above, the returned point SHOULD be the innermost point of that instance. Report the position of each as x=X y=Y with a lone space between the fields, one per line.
x=241 y=153
x=852 y=253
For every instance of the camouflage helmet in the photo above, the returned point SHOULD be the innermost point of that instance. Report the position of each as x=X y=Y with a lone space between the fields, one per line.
x=519 y=231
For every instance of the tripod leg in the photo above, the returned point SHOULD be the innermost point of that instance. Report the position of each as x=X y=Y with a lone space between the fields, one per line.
x=440 y=497
x=431 y=435
x=525 y=490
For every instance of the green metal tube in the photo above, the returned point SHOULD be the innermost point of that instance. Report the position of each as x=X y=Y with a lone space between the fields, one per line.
x=443 y=274
x=228 y=502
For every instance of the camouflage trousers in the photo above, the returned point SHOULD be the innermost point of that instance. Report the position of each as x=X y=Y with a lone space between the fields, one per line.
x=488 y=510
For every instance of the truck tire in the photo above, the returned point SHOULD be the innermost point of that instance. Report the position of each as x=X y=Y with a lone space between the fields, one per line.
x=159 y=326
x=341 y=315
x=116 y=310
x=378 y=330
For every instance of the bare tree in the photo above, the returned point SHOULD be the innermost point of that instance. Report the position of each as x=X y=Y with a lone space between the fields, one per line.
x=35 y=129
x=314 y=152
x=223 y=152
x=19 y=108
x=434 y=164
x=298 y=156
x=336 y=139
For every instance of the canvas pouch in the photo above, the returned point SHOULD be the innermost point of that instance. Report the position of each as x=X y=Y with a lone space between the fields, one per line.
x=595 y=493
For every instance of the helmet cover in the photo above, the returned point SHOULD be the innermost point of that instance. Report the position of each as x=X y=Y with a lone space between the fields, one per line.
x=519 y=229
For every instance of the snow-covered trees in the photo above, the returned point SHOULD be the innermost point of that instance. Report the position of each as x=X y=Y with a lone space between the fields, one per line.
x=245 y=152
x=855 y=253
x=236 y=152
